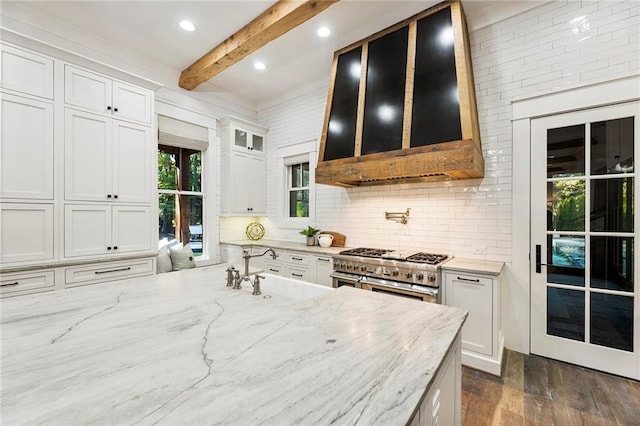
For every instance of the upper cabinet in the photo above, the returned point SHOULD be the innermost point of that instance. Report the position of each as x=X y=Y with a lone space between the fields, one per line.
x=26 y=157
x=26 y=72
x=401 y=105
x=101 y=94
x=243 y=167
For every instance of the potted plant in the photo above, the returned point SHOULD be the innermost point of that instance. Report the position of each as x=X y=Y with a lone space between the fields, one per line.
x=310 y=232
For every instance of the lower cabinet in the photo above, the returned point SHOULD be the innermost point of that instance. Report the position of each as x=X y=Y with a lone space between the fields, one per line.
x=293 y=264
x=482 y=340
x=102 y=229
x=16 y=284
x=442 y=403
x=26 y=232
x=110 y=271
x=324 y=268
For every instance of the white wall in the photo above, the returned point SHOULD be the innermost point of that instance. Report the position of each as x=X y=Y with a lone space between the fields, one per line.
x=553 y=47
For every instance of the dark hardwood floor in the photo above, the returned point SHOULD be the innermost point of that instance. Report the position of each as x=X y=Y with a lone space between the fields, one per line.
x=540 y=391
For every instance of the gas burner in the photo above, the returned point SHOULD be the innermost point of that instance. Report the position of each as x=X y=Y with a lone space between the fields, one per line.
x=365 y=252
x=429 y=258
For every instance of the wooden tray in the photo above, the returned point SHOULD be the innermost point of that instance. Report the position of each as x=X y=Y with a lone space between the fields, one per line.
x=339 y=239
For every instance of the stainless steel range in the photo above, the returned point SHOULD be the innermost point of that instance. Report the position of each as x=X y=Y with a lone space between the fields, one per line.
x=406 y=274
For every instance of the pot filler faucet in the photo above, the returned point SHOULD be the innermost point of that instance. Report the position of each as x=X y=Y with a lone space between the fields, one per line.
x=233 y=275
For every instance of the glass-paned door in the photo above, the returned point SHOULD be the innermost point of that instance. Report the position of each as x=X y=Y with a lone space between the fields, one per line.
x=584 y=202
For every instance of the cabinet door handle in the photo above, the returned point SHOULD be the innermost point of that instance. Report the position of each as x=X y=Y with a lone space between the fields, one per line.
x=9 y=284
x=296 y=258
x=296 y=275
x=128 y=268
x=471 y=280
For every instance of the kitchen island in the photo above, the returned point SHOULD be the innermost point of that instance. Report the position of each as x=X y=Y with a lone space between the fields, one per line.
x=182 y=348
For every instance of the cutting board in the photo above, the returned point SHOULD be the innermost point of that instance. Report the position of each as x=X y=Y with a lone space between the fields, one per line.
x=338 y=238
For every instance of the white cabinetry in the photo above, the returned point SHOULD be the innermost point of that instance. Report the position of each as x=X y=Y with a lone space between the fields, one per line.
x=324 y=268
x=27 y=232
x=27 y=282
x=101 y=94
x=101 y=229
x=243 y=167
x=26 y=155
x=105 y=159
x=26 y=72
x=482 y=340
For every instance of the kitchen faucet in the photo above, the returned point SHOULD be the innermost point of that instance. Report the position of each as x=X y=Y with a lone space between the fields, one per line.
x=239 y=279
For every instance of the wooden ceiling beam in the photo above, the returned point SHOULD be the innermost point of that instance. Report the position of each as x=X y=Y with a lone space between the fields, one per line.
x=271 y=24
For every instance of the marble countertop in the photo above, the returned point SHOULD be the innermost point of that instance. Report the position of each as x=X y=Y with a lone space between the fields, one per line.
x=287 y=245
x=182 y=348
x=473 y=265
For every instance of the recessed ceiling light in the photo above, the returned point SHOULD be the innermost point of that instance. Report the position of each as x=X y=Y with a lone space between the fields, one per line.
x=259 y=65
x=323 y=32
x=187 y=26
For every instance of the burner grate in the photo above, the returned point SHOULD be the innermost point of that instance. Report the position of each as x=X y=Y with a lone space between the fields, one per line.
x=428 y=258
x=365 y=252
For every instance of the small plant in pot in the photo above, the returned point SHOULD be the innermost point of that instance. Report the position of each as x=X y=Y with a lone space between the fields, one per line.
x=310 y=232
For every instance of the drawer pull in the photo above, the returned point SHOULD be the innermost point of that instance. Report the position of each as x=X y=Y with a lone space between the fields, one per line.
x=273 y=270
x=296 y=275
x=9 y=284
x=297 y=258
x=469 y=280
x=128 y=268
x=324 y=260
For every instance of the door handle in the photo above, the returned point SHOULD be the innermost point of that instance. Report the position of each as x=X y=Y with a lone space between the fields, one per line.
x=539 y=263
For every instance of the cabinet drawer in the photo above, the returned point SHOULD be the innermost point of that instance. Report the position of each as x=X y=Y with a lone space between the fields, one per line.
x=96 y=273
x=298 y=259
x=274 y=268
x=28 y=282
x=304 y=274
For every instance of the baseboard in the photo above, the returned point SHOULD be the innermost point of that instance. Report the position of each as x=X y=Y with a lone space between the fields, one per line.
x=491 y=365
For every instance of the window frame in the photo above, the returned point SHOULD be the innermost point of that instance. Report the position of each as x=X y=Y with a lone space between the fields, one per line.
x=290 y=155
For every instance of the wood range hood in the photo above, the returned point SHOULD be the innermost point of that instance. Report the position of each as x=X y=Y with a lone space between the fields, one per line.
x=401 y=105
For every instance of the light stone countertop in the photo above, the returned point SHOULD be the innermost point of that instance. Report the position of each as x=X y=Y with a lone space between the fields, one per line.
x=287 y=245
x=473 y=265
x=182 y=348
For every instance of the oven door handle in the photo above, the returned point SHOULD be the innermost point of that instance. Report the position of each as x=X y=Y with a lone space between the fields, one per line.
x=388 y=284
x=345 y=276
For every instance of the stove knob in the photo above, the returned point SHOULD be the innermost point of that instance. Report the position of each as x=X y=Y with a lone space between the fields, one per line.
x=348 y=266
x=409 y=274
x=395 y=272
x=431 y=278
x=420 y=276
x=363 y=268
x=379 y=270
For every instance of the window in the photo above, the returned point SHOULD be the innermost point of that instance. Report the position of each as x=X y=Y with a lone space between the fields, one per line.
x=180 y=199
x=298 y=189
x=296 y=169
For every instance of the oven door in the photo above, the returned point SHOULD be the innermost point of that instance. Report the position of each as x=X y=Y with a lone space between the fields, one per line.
x=425 y=294
x=340 y=279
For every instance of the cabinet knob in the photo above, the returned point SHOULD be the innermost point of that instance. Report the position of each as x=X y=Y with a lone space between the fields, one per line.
x=108 y=108
x=115 y=247
x=115 y=109
x=108 y=195
x=108 y=248
x=115 y=196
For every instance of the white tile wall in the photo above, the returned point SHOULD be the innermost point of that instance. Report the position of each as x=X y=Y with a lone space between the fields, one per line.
x=555 y=46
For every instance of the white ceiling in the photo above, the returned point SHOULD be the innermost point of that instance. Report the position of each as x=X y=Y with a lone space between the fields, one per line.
x=150 y=28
